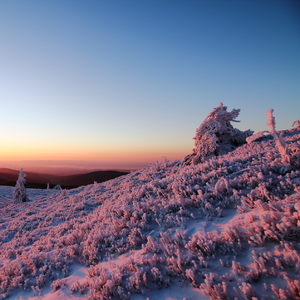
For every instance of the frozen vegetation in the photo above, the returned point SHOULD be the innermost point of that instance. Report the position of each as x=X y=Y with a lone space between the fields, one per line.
x=20 y=190
x=224 y=223
x=216 y=135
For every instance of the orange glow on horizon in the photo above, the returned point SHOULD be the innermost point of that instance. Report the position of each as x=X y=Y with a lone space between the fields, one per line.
x=113 y=158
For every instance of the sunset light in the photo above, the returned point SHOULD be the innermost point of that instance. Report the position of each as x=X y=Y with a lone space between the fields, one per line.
x=149 y=149
x=118 y=83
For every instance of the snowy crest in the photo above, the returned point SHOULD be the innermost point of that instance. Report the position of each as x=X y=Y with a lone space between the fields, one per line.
x=216 y=136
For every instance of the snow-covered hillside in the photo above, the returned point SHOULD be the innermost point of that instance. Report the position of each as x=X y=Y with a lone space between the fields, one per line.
x=223 y=228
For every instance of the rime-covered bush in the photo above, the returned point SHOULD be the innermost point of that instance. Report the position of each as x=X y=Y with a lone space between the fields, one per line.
x=58 y=284
x=20 y=194
x=216 y=136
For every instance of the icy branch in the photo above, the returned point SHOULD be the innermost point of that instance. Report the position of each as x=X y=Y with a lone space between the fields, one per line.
x=296 y=123
x=255 y=136
x=279 y=141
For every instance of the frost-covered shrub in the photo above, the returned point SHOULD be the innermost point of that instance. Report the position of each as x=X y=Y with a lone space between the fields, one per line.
x=157 y=276
x=20 y=194
x=205 y=245
x=189 y=273
x=122 y=294
x=246 y=289
x=58 y=284
x=216 y=136
x=79 y=287
x=40 y=280
x=151 y=245
x=210 y=287
x=161 y=164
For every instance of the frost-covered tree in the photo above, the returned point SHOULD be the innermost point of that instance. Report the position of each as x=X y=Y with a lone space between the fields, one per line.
x=216 y=136
x=20 y=194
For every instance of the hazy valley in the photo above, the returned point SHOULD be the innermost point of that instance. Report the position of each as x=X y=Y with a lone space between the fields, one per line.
x=8 y=177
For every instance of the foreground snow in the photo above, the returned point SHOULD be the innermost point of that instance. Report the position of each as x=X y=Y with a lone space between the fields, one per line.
x=228 y=227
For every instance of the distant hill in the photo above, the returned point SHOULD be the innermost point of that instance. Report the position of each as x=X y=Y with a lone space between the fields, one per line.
x=8 y=177
x=89 y=178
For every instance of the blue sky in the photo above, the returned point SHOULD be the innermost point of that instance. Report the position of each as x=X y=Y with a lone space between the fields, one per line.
x=117 y=82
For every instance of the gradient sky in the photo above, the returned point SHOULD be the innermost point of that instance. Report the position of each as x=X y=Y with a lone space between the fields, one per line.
x=122 y=83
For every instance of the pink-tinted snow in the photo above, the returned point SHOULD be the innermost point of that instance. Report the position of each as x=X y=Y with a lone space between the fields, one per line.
x=223 y=228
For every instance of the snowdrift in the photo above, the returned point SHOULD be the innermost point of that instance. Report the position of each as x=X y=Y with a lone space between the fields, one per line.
x=227 y=227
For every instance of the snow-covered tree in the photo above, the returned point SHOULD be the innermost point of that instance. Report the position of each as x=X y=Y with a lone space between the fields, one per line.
x=216 y=136
x=20 y=194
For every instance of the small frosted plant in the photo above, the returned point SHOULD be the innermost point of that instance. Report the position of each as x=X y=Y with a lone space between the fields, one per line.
x=279 y=141
x=296 y=123
x=20 y=190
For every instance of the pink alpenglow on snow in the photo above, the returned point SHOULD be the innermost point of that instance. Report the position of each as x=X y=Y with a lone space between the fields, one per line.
x=223 y=225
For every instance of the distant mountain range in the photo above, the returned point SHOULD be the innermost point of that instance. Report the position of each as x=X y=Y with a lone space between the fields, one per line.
x=8 y=177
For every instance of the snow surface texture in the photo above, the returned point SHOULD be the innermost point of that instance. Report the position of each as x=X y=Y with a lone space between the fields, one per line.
x=225 y=228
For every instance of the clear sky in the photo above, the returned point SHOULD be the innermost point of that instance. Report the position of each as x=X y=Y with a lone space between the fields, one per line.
x=121 y=83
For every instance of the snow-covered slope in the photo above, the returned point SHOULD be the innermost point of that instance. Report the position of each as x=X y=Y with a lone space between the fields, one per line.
x=228 y=227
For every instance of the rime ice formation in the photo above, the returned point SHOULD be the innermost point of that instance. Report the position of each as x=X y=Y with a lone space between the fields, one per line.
x=216 y=136
x=225 y=228
x=20 y=190
x=279 y=141
x=296 y=123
